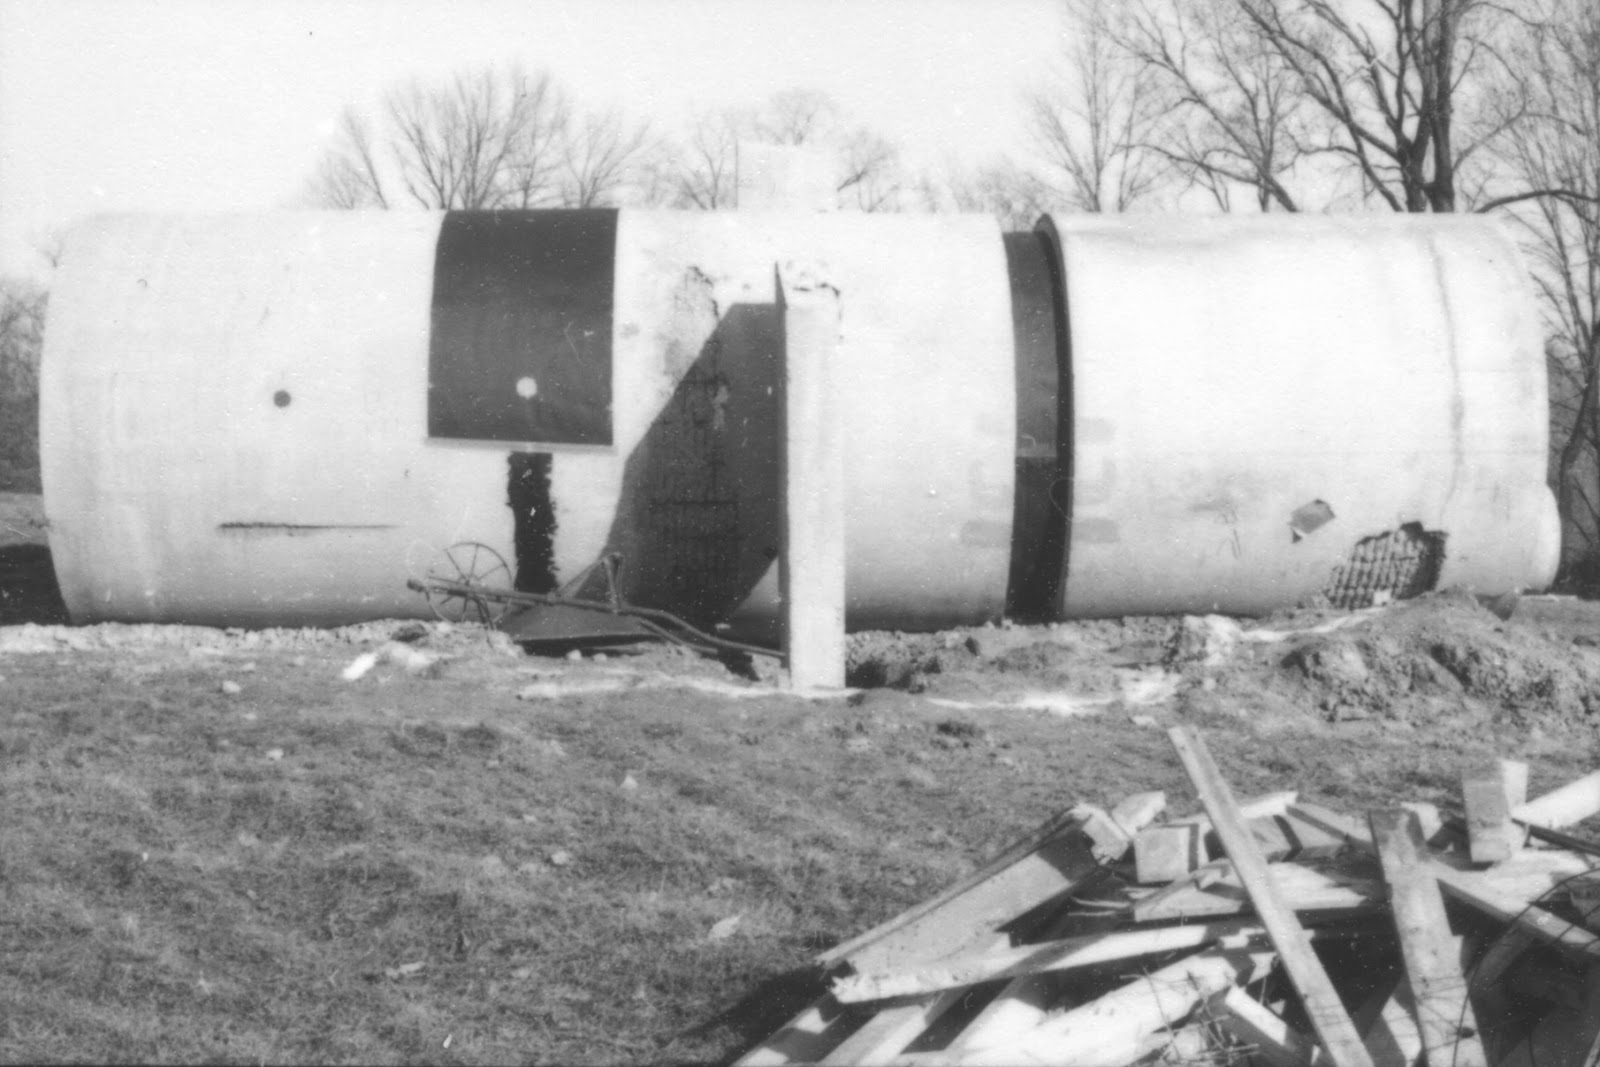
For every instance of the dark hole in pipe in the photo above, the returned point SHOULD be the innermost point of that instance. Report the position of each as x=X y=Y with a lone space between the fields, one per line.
x=533 y=521
x=281 y=398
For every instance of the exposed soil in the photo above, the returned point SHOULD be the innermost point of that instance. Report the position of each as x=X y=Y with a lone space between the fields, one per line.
x=407 y=841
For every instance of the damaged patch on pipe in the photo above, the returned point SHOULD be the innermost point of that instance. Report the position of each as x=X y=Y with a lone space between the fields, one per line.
x=1393 y=565
x=1308 y=518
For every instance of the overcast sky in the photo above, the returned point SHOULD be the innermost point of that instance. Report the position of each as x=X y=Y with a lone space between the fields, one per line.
x=172 y=105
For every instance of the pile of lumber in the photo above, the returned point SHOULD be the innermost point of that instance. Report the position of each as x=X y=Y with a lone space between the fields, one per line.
x=1263 y=931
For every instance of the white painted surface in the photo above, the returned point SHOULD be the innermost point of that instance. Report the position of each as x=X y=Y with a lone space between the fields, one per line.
x=925 y=390
x=811 y=559
x=167 y=344
x=1227 y=372
x=169 y=338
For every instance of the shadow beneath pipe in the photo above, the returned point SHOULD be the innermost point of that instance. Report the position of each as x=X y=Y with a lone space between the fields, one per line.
x=28 y=589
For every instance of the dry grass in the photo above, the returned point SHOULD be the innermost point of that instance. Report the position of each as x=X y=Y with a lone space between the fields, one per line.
x=423 y=868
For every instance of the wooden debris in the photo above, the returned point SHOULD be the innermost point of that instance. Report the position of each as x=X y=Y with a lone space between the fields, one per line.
x=1111 y=841
x=1321 y=1000
x=1489 y=793
x=1035 y=959
x=1563 y=807
x=1256 y=1025
x=1444 y=1017
x=1164 y=854
x=1389 y=1027
x=1224 y=893
x=1068 y=949
x=1050 y=861
x=1429 y=821
x=1136 y=812
x=1115 y=1027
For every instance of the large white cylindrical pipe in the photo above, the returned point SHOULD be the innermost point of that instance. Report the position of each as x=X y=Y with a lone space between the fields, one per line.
x=1267 y=409
x=281 y=418
x=257 y=420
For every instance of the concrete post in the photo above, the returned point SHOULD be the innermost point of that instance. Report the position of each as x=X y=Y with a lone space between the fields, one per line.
x=811 y=471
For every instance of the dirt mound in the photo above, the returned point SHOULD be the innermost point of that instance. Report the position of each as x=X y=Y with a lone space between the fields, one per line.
x=1436 y=656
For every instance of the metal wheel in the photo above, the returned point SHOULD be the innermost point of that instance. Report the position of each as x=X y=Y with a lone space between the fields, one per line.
x=474 y=564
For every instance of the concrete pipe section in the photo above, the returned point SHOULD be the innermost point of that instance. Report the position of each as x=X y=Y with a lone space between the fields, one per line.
x=1267 y=410
x=279 y=419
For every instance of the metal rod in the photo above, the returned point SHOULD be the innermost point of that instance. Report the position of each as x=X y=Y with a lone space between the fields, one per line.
x=662 y=621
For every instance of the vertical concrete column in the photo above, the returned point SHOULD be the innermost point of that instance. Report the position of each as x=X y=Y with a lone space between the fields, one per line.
x=811 y=469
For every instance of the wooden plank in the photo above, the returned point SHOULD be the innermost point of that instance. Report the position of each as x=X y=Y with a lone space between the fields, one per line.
x=1388 y=1025
x=1491 y=834
x=1476 y=889
x=887 y=1033
x=1111 y=842
x=1050 y=860
x=1326 y=1012
x=1335 y=823
x=804 y=1039
x=1063 y=955
x=1224 y=894
x=1263 y=806
x=1165 y=853
x=968 y=917
x=1159 y=905
x=965 y=916
x=1514 y=773
x=1138 y=810
x=1116 y=1027
x=1272 y=1039
x=1472 y=889
x=1022 y=1003
x=1428 y=819
x=1566 y=806
x=1274 y=837
x=1444 y=1014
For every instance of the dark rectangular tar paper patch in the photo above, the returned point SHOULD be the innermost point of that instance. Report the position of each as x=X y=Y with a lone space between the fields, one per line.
x=521 y=327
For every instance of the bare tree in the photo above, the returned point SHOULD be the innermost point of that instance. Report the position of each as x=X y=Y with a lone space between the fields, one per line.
x=496 y=139
x=708 y=163
x=479 y=142
x=867 y=173
x=22 y=311
x=1011 y=193
x=348 y=175
x=795 y=117
x=1551 y=151
x=1397 y=86
x=598 y=154
x=1393 y=94
x=1229 y=111
x=1093 y=124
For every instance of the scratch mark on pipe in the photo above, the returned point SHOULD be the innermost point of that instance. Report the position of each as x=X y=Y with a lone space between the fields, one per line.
x=297 y=529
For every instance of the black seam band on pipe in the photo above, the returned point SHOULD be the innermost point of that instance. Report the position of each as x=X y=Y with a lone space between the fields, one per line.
x=1039 y=517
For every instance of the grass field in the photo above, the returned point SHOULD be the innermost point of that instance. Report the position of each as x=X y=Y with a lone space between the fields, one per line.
x=216 y=848
x=419 y=866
